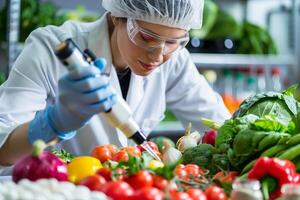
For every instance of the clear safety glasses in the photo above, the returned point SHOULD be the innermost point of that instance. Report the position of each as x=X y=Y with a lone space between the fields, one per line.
x=151 y=41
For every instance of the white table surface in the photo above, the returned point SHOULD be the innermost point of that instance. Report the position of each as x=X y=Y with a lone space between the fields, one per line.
x=5 y=178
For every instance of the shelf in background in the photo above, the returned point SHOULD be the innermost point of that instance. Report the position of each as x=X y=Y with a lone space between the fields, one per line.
x=238 y=60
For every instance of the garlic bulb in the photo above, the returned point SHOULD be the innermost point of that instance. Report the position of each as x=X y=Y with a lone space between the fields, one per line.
x=196 y=135
x=170 y=154
x=188 y=140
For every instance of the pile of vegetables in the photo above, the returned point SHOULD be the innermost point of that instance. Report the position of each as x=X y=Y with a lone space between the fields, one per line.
x=265 y=125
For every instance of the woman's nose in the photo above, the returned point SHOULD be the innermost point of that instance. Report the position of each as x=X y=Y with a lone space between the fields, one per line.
x=156 y=55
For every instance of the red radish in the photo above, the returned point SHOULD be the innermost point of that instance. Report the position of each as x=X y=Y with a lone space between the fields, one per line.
x=209 y=137
x=41 y=164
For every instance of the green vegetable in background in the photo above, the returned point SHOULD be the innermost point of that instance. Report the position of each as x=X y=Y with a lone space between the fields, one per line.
x=34 y=14
x=38 y=13
x=256 y=40
x=225 y=27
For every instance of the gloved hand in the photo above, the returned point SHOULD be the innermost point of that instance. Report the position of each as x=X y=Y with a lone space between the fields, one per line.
x=83 y=92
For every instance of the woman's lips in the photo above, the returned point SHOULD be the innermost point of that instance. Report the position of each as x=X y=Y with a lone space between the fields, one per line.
x=148 y=66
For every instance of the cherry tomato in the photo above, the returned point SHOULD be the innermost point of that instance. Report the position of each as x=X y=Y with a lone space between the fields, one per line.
x=181 y=172
x=105 y=173
x=196 y=194
x=148 y=193
x=119 y=174
x=94 y=182
x=113 y=148
x=193 y=170
x=140 y=180
x=175 y=195
x=227 y=177
x=160 y=182
x=104 y=152
x=215 y=193
x=121 y=156
x=151 y=144
x=133 y=151
x=118 y=190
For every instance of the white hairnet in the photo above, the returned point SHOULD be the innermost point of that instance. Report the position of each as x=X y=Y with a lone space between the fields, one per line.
x=184 y=14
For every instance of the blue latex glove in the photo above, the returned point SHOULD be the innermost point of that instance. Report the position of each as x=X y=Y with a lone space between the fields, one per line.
x=83 y=92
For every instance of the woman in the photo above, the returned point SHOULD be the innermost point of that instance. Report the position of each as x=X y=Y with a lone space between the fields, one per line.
x=143 y=45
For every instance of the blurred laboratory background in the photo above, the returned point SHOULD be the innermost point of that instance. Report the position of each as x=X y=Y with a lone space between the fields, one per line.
x=244 y=47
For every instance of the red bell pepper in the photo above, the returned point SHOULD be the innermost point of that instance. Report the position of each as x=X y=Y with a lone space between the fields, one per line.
x=273 y=173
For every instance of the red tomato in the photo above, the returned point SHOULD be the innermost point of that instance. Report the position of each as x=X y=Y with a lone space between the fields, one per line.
x=209 y=137
x=160 y=182
x=193 y=170
x=133 y=151
x=140 y=180
x=118 y=190
x=105 y=172
x=94 y=182
x=121 y=156
x=104 y=152
x=196 y=194
x=215 y=193
x=227 y=177
x=181 y=172
x=148 y=193
x=119 y=174
x=174 y=195
x=113 y=148
x=151 y=144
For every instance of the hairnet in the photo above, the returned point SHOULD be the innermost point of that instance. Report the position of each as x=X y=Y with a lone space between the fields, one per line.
x=184 y=14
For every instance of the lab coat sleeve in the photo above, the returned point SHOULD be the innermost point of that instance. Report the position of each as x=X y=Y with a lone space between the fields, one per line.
x=189 y=95
x=30 y=83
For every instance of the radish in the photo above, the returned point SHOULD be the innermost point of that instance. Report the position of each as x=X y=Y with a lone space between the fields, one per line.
x=41 y=164
x=209 y=137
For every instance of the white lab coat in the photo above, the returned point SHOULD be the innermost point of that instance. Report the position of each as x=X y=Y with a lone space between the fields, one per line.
x=32 y=85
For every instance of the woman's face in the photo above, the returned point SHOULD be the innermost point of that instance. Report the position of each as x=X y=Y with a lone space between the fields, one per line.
x=141 y=61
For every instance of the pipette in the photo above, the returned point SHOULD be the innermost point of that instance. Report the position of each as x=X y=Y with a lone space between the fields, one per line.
x=120 y=115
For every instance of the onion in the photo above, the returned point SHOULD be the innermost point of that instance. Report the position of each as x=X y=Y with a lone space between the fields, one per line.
x=41 y=164
x=170 y=154
x=189 y=139
x=209 y=137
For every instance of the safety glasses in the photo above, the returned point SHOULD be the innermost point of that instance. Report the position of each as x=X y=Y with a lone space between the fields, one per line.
x=151 y=41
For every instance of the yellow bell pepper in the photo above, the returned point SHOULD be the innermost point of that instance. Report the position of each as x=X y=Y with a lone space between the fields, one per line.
x=154 y=164
x=81 y=167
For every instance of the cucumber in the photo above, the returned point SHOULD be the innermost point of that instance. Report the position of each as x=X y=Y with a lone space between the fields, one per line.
x=284 y=140
x=273 y=150
x=269 y=141
x=294 y=140
x=290 y=153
